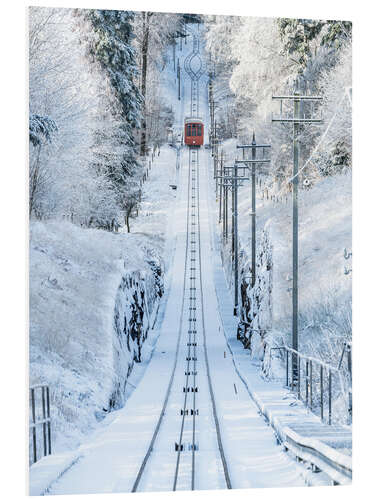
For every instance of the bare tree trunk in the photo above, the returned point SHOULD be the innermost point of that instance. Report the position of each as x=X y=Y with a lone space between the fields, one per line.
x=127 y=222
x=34 y=182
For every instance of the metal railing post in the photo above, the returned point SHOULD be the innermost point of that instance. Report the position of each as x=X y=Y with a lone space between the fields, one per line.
x=307 y=382
x=49 y=423
x=287 y=369
x=329 y=397
x=221 y=187
x=44 y=421
x=299 y=377
x=311 y=385
x=34 y=428
x=350 y=400
x=321 y=394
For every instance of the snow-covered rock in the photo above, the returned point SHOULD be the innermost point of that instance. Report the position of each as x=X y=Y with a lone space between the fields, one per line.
x=92 y=300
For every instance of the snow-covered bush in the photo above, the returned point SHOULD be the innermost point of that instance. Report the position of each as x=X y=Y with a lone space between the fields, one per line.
x=336 y=87
x=256 y=302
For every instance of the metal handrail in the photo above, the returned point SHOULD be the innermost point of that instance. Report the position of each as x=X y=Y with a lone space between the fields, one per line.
x=299 y=370
x=45 y=422
x=310 y=358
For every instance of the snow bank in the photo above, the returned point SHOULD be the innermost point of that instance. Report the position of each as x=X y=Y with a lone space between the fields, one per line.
x=90 y=293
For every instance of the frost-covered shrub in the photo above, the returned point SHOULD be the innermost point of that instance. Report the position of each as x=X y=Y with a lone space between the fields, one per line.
x=256 y=302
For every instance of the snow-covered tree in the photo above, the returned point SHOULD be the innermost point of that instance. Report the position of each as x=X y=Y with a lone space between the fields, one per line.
x=259 y=57
x=109 y=36
x=82 y=149
x=153 y=32
x=63 y=91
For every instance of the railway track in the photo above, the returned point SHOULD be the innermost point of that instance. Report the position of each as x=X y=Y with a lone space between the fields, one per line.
x=193 y=331
x=194 y=74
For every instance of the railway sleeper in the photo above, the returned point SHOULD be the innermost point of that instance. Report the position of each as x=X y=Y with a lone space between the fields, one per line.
x=184 y=447
x=190 y=389
x=186 y=412
x=194 y=344
x=191 y=373
x=189 y=358
x=315 y=468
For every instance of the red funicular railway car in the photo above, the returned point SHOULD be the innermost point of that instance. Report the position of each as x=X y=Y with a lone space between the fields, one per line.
x=194 y=132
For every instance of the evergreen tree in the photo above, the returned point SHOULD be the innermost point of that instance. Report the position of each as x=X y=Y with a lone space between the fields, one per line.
x=111 y=48
x=298 y=34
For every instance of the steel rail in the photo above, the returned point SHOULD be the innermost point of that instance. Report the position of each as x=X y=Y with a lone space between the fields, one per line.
x=194 y=329
x=166 y=399
x=214 y=411
x=189 y=240
x=194 y=76
x=194 y=103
